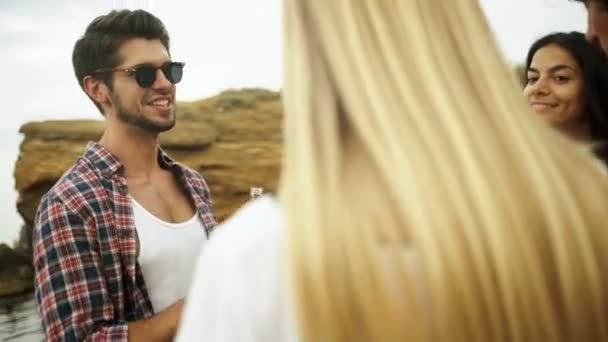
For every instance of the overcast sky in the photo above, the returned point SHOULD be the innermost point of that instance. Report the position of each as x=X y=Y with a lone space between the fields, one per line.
x=225 y=44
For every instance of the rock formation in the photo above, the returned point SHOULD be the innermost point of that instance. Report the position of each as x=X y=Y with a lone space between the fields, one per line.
x=233 y=139
x=16 y=274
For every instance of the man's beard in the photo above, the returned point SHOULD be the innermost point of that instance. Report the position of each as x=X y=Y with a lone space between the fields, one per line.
x=139 y=120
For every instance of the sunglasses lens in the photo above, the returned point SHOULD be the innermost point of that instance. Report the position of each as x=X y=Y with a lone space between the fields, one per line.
x=174 y=72
x=145 y=76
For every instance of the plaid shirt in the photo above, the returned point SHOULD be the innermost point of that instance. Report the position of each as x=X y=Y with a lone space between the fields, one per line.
x=89 y=283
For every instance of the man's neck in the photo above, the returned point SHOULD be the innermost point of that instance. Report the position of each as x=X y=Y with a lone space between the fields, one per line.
x=136 y=150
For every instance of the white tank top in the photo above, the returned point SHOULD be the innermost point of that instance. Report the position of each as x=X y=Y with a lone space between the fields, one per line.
x=167 y=254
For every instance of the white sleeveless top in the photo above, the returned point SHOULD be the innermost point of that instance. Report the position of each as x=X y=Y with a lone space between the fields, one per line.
x=240 y=291
x=167 y=254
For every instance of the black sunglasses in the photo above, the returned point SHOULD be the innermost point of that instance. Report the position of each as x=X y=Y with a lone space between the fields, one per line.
x=145 y=75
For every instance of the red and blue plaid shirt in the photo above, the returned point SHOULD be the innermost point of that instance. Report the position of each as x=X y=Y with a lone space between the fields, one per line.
x=88 y=281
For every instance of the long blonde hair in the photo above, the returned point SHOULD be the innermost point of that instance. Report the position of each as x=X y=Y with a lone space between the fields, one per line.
x=424 y=199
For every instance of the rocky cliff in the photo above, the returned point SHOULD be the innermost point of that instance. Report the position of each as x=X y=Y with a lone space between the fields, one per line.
x=233 y=139
x=16 y=274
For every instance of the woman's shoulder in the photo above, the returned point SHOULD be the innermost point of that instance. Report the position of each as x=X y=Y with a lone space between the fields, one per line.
x=239 y=290
x=254 y=227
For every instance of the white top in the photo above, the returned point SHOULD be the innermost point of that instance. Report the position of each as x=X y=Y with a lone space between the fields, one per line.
x=167 y=254
x=239 y=287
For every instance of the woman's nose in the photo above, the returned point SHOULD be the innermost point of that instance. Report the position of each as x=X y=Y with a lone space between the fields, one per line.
x=541 y=86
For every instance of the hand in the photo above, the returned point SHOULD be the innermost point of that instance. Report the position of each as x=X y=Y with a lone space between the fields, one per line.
x=160 y=327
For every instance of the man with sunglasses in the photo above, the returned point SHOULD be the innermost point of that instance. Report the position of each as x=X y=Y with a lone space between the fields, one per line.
x=116 y=238
x=597 y=22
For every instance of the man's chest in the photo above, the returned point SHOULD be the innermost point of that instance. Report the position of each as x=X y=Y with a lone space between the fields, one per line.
x=164 y=198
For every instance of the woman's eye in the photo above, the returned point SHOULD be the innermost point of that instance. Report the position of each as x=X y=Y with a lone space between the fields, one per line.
x=531 y=79
x=561 y=79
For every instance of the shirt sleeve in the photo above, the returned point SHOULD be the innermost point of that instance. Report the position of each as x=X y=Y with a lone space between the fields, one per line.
x=70 y=289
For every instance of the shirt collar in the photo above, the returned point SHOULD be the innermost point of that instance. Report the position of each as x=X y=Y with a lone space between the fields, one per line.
x=108 y=164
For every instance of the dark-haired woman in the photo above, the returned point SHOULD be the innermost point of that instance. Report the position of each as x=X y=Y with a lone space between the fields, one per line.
x=567 y=85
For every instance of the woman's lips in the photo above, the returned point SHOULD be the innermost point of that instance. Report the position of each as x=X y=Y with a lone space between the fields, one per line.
x=543 y=106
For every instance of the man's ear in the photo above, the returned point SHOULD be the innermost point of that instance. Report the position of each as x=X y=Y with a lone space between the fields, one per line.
x=96 y=89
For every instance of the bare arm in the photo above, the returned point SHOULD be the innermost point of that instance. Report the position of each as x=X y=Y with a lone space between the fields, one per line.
x=160 y=327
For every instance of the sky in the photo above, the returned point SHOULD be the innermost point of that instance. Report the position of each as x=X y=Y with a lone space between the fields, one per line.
x=224 y=43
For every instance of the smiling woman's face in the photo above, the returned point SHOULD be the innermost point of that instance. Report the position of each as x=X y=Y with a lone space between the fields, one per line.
x=555 y=86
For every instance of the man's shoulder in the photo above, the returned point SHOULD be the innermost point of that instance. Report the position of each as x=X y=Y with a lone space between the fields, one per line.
x=78 y=182
x=76 y=197
x=191 y=173
x=256 y=225
x=192 y=177
x=195 y=179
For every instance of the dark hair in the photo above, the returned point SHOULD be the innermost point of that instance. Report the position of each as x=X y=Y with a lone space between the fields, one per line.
x=588 y=1
x=594 y=68
x=104 y=36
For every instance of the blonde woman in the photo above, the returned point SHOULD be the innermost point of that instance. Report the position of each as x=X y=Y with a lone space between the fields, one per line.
x=421 y=200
